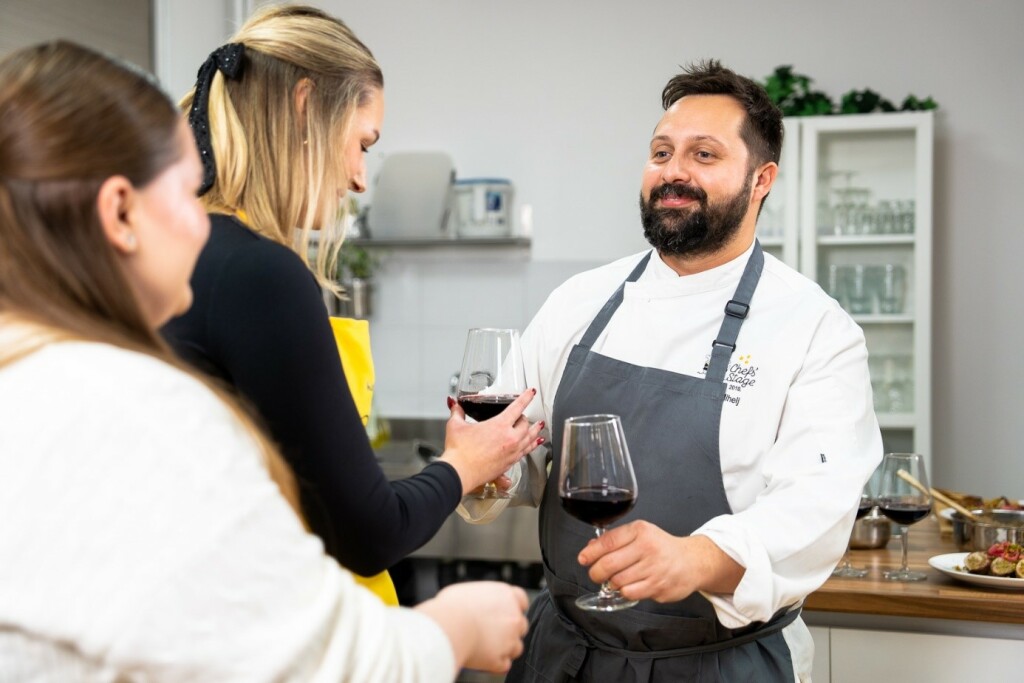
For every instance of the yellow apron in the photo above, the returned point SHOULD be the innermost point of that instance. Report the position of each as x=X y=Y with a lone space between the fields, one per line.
x=353 y=340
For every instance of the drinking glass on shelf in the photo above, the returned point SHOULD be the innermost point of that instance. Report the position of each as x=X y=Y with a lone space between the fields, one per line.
x=858 y=291
x=892 y=289
x=867 y=501
x=597 y=486
x=834 y=282
x=885 y=217
x=492 y=376
x=904 y=497
x=905 y=211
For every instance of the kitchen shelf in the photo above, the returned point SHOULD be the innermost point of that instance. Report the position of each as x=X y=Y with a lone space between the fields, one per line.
x=441 y=242
x=865 y=240
x=897 y=420
x=883 y=319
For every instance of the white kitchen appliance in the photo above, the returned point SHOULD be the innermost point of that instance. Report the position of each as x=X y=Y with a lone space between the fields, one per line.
x=482 y=207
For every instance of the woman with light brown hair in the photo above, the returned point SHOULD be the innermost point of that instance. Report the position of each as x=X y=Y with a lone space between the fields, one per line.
x=147 y=530
x=284 y=114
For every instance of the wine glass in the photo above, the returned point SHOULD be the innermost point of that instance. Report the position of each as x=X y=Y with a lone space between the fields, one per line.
x=904 y=497
x=847 y=570
x=597 y=486
x=492 y=376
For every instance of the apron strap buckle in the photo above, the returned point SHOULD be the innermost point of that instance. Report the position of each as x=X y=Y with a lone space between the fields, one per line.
x=737 y=309
x=731 y=347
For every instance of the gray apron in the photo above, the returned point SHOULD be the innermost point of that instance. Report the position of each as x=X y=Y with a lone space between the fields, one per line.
x=671 y=423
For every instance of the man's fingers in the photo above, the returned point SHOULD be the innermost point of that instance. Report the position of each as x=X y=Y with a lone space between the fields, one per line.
x=609 y=541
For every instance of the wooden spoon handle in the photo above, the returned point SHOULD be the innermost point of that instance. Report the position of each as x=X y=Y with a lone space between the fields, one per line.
x=910 y=479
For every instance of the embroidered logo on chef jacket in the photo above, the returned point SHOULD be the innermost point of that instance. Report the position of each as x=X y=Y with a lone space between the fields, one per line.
x=740 y=375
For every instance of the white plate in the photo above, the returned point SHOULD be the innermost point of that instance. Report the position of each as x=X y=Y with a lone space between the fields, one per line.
x=947 y=565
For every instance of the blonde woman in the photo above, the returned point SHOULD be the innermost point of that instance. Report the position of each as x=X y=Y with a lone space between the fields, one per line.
x=284 y=114
x=142 y=538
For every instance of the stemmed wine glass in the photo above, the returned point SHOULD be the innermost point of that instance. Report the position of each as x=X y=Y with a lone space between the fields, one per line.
x=867 y=501
x=597 y=486
x=492 y=376
x=904 y=497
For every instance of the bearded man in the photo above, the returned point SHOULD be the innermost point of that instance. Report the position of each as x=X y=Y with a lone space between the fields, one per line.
x=746 y=403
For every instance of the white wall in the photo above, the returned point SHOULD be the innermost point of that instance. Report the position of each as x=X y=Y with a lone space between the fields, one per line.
x=561 y=98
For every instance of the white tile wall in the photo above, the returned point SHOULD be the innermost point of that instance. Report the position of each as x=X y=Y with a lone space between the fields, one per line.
x=425 y=301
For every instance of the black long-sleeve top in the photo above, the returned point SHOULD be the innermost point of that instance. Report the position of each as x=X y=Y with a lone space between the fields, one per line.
x=258 y=323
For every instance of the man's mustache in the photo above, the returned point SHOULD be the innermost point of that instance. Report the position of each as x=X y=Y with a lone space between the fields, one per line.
x=679 y=190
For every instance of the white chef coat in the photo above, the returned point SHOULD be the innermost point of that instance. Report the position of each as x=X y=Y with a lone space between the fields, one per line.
x=143 y=539
x=798 y=436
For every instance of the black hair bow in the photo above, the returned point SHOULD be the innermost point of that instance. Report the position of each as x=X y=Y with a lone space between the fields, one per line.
x=228 y=59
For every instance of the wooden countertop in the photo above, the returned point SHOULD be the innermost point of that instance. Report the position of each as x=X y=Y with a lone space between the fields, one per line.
x=939 y=597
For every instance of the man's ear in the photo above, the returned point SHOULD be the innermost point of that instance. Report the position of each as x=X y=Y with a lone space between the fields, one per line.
x=764 y=180
x=114 y=203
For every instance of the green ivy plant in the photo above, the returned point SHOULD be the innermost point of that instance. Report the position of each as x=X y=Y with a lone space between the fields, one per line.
x=792 y=93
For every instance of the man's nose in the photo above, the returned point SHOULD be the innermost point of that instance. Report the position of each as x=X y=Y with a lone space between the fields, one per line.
x=677 y=170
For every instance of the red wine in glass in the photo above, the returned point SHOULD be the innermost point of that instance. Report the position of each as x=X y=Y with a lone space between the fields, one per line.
x=598 y=506
x=904 y=514
x=482 y=407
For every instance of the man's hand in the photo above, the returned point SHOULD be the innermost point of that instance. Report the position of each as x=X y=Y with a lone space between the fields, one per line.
x=642 y=561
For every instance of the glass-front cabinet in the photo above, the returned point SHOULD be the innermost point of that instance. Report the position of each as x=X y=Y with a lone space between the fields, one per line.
x=851 y=209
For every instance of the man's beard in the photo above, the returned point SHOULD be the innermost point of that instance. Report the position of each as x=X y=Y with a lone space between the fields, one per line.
x=693 y=230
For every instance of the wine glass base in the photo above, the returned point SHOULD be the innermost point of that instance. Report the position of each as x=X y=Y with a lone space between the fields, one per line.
x=904 y=575
x=850 y=572
x=596 y=602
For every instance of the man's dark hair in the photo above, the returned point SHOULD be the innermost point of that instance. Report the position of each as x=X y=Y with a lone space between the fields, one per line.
x=761 y=130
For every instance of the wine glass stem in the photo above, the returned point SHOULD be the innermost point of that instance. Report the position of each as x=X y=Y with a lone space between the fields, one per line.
x=606 y=588
x=903 y=543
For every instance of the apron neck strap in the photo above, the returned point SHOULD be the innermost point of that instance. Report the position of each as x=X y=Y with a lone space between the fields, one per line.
x=735 y=313
x=605 y=314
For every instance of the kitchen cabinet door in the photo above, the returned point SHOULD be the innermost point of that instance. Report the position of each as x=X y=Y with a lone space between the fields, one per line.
x=869 y=656
x=865 y=235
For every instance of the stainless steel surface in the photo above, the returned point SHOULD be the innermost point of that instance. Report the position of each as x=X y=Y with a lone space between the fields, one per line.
x=512 y=537
x=356 y=301
x=996 y=526
x=871 y=531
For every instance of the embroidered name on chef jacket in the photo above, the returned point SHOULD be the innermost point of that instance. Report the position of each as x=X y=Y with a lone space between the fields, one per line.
x=741 y=375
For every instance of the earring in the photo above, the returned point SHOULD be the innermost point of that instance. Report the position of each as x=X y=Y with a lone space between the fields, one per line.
x=129 y=240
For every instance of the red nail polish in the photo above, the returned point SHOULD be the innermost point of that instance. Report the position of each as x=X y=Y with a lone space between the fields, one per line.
x=534 y=391
x=540 y=440
x=451 y=402
x=542 y=424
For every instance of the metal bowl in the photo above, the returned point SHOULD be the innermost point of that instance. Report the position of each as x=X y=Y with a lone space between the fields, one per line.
x=870 y=531
x=995 y=526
